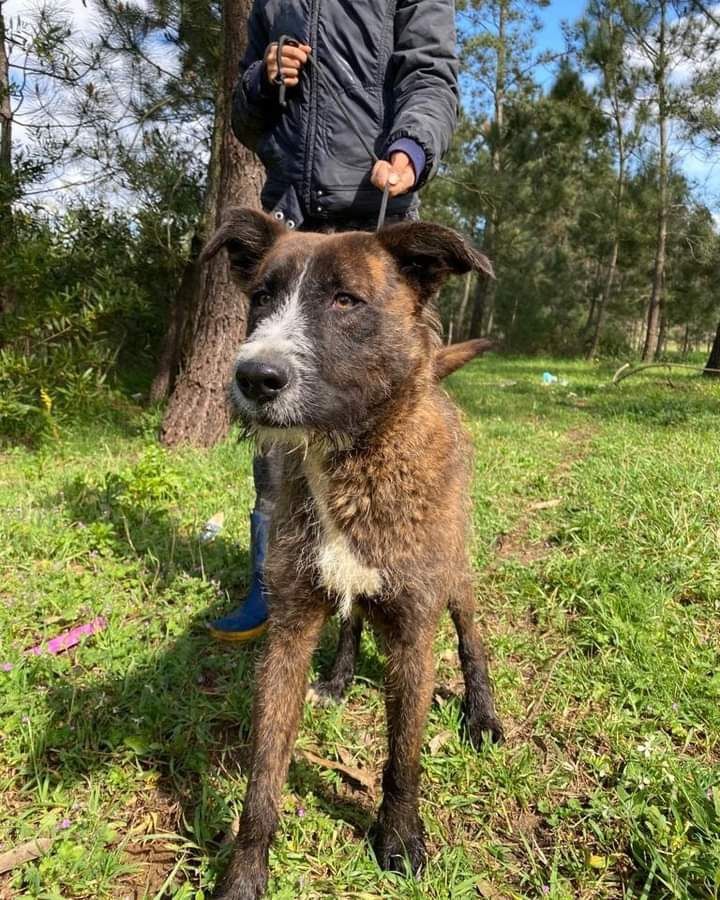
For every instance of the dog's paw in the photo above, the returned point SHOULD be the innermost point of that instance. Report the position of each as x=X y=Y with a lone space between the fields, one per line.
x=482 y=727
x=400 y=851
x=243 y=883
x=325 y=693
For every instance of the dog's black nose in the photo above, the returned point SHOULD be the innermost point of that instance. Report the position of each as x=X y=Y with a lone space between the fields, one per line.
x=261 y=381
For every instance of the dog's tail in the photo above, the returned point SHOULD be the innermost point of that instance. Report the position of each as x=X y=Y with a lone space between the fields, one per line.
x=449 y=359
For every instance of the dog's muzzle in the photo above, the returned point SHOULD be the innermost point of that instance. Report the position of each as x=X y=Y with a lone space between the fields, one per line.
x=261 y=380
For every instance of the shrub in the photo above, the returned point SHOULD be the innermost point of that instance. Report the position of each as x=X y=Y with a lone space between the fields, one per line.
x=90 y=303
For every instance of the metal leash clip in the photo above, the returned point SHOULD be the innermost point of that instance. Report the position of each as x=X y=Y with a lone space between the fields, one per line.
x=279 y=79
x=383 y=207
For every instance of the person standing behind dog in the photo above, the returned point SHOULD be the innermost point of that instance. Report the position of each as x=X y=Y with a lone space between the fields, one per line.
x=389 y=67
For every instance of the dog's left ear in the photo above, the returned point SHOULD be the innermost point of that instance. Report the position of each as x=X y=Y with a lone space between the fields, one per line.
x=427 y=254
x=247 y=234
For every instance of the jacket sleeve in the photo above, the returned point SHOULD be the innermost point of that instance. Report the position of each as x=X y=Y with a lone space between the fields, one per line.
x=424 y=71
x=254 y=105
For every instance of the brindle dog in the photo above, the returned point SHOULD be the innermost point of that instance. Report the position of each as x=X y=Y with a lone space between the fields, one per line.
x=340 y=368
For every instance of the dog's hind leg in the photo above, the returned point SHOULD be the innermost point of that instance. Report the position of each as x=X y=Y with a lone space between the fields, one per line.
x=479 y=717
x=398 y=838
x=279 y=695
x=333 y=688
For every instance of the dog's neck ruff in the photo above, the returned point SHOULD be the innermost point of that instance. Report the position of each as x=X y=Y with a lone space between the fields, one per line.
x=341 y=572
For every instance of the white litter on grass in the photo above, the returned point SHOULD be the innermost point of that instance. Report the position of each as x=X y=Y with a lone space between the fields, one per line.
x=212 y=528
x=548 y=378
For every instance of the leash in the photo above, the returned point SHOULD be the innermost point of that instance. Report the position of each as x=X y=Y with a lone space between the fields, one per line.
x=279 y=80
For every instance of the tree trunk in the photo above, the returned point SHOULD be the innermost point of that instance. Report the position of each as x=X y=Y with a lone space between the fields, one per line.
x=5 y=119
x=714 y=359
x=484 y=301
x=198 y=411
x=662 y=333
x=591 y=314
x=686 y=341
x=7 y=294
x=604 y=300
x=483 y=306
x=176 y=337
x=593 y=302
x=652 y=334
x=460 y=320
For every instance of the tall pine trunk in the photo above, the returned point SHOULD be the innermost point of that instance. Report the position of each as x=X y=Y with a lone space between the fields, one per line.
x=655 y=308
x=484 y=300
x=460 y=319
x=686 y=341
x=198 y=412
x=7 y=294
x=714 y=358
x=662 y=333
x=604 y=299
x=592 y=291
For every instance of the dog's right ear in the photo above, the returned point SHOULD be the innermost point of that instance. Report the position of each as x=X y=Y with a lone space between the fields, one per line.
x=248 y=235
x=426 y=254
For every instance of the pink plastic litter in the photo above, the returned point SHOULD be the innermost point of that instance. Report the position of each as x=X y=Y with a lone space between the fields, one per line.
x=70 y=638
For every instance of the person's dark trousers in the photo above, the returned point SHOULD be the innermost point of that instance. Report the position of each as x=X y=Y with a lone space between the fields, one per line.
x=249 y=620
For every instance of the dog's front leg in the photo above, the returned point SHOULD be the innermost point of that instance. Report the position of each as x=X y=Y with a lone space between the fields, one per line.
x=280 y=691
x=399 y=834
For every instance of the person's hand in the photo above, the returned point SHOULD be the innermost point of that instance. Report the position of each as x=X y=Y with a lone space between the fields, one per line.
x=293 y=59
x=399 y=173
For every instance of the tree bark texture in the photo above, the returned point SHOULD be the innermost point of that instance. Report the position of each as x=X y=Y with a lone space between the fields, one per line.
x=198 y=412
x=714 y=358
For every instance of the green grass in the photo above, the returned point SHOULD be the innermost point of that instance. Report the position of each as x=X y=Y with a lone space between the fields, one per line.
x=598 y=559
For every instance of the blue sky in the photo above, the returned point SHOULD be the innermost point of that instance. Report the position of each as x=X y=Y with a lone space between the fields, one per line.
x=551 y=37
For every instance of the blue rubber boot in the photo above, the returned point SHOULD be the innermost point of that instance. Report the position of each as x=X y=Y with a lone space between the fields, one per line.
x=248 y=621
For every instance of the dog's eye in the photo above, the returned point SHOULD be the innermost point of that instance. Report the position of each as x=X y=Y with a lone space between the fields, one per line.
x=260 y=298
x=345 y=301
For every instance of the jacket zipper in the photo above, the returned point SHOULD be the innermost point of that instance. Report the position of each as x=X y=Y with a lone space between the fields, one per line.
x=312 y=117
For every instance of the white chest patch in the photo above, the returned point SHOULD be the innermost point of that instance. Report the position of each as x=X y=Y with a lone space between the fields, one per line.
x=342 y=573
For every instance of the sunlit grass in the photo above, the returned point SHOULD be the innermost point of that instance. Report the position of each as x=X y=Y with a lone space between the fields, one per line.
x=598 y=555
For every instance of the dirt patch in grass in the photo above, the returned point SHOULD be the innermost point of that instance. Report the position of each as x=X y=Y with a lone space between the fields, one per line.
x=154 y=864
x=155 y=813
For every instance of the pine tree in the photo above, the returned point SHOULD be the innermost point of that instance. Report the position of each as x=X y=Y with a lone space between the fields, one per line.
x=605 y=48
x=497 y=53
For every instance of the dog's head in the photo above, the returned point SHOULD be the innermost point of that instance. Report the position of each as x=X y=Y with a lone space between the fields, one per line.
x=339 y=327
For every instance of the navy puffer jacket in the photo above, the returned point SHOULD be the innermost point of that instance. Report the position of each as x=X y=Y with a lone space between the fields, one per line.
x=393 y=63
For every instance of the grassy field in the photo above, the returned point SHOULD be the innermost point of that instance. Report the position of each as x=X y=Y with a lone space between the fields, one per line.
x=597 y=520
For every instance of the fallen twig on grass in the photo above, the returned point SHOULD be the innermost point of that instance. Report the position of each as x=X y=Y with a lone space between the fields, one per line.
x=363 y=777
x=625 y=371
x=23 y=853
